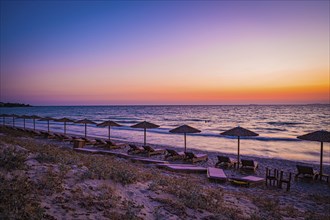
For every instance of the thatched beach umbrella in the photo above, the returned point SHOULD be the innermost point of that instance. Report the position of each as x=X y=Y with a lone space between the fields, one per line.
x=24 y=117
x=109 y=124
x=34 y=117
x=3 y=118
x=239 y=132
x=85 y=121
x=47 y=119
x=320 y=136
x=185 y=129
x=65 y=120
x=145 y=125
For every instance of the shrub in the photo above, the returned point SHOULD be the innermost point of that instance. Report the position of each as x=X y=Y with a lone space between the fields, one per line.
x=11 y=159
x=16 y=201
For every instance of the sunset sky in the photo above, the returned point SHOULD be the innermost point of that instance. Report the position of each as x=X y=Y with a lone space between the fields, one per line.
x=108 y=53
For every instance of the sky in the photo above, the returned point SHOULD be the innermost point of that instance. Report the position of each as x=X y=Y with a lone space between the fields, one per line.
x=164 y=52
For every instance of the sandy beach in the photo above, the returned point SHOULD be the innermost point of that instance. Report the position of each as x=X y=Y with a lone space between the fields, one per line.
x=67 y=184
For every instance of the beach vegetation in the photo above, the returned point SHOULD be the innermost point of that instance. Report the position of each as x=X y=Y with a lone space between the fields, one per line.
x=18 y=199
x=11 y=158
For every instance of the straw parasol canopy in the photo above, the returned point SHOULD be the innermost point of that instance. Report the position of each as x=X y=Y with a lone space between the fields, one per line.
x=47 y=119
x=13 y=116
x=65 y=120
x=85 y=121
x=24 y=117
x=3 y=118
x=34 y=117
x=320 y=136
x=145 y=125
x=109 y=124
x=239 y=132
x=185 y=129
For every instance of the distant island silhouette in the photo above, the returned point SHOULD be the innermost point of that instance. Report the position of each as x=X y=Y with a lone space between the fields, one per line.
x=8 y=104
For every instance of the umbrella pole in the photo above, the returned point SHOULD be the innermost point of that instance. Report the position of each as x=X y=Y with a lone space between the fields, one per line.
x=85 y=130
x=145 y=136
x=185 y=143
x=238 y=150
x=321 y=160
x=109 y=132
x=48 y=126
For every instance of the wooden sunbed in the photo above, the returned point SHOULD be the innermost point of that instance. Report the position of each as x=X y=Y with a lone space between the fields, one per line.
x=306 y=172
x=249 y=165
x=174 y=155
x=247 y=180
x=225 y=161
x=151 y=151
x=148 y=160
x=112 y=145
x=135 y=149
x=190 y=156
x=186 y=168
x=216 y=174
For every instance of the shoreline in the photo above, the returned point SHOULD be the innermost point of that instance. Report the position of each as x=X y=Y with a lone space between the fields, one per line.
x=315 y=164
x=219 y=139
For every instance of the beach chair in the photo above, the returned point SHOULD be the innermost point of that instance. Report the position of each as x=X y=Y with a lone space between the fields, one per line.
x=190 y=156
x=135 y=149
x=287 y=181
x=47 y=134
x=58 y=136
x=88 y=141
x=151 y=151
x=174 y=155
x=246 y=181
x=216 y=174
x=272 y=179
x=99 y=142
x=306 y=172
x=225 y=161
x=249 y=165
x=112 y=145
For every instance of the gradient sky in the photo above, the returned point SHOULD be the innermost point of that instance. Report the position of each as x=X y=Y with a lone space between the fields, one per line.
x=96 y=53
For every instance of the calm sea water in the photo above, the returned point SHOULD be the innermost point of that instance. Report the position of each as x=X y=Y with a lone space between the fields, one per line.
x=278 y=126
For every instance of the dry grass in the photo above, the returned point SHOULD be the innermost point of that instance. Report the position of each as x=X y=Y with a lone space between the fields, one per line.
x=11 y=159
x=18 y=200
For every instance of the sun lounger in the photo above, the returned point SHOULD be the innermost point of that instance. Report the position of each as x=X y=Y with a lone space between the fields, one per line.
x=62 y=137
x=147 y=160
x=306 y=171
x=249 y=165
x=88 y=141
x=190 y=156
x=47 y=134
x=135 y=149
x=174 y=155
x=216 y=174
x=246 y=181
x=186 y=168
x=225 y=161
x=99 y=142
x=112 y=145
x=151 y=151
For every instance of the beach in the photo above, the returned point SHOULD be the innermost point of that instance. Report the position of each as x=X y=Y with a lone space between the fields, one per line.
x=70 y=185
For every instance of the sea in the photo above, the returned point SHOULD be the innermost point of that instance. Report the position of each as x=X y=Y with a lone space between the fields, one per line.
x=277 y=125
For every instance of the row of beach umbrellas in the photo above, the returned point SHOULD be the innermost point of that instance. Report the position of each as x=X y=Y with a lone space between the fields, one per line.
x=320 y=136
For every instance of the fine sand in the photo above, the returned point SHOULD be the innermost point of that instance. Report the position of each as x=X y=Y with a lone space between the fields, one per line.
x=306 y=199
